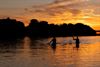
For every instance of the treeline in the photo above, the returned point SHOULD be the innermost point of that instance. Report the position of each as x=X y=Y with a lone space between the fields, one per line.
x=10 y=28
x=13 y=28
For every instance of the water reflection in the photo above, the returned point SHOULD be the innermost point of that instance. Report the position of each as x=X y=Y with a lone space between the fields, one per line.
x=9 y=47
x=27 y=52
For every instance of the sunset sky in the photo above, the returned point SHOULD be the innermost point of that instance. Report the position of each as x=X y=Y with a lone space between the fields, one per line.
x=53 y=11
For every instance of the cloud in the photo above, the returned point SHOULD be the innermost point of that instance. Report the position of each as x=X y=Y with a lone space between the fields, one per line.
x=58 y=7
x=65 y=10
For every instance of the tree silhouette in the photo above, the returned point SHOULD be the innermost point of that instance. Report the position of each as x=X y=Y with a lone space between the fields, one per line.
x=44 y=29
x=10 y=28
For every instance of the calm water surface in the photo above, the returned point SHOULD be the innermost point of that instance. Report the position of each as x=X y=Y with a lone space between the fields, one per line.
x=28 y=52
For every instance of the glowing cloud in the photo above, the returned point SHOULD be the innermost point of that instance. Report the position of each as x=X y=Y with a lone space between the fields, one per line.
x=55 y=11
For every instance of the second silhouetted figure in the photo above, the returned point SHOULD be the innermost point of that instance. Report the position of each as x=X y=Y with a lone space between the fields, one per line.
x=77 y=42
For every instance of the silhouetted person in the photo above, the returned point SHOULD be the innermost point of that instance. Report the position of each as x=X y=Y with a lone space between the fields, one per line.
x=53 y=43
x=77 y=42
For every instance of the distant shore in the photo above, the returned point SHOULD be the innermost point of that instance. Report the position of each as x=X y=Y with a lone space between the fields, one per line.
x=10 y=28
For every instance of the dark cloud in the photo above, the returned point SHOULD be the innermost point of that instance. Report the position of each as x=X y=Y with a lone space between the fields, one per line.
x=74 y=11
x=26 y=9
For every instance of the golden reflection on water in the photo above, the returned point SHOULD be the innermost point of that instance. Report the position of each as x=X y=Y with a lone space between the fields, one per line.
x=29 y=52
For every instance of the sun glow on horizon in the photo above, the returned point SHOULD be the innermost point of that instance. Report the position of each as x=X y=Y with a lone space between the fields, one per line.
x=54 y=11
x=66 y=17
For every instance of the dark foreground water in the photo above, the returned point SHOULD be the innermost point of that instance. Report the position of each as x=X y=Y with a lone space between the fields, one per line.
x=28 y=52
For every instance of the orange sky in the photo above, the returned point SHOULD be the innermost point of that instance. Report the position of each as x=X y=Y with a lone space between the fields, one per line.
x=53 y=11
